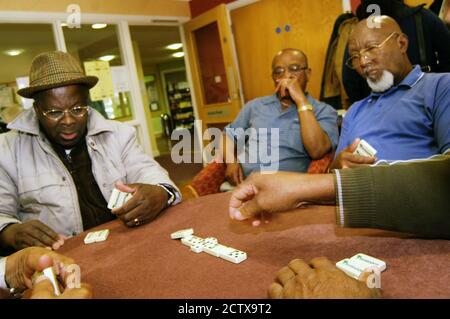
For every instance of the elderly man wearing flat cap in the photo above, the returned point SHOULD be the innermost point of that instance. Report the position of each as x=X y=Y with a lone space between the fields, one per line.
x=62 y=159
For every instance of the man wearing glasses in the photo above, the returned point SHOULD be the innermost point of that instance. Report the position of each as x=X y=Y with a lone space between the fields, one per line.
x=407 y=115
x=307 y=128
x=61 y=161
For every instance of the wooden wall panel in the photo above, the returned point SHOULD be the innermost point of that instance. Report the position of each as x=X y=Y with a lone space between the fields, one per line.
x=311 y=24
x=197 y=7
x=132 y=7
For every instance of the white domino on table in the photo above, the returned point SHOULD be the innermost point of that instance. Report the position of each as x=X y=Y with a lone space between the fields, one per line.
x=191 y=240
x=182 y=233
x=197 y=248
x=360 y=263
x=210 y=245
x=368 y=261
x=235 y=256
x=90 y=238
x=352 y=270
x=96 y=237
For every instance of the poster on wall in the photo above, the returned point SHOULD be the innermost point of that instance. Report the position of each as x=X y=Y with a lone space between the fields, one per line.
x=6 y=96
x=104 y=88
x=120 y=78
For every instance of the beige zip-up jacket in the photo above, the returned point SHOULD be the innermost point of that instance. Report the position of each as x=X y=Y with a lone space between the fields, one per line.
x=35 y=184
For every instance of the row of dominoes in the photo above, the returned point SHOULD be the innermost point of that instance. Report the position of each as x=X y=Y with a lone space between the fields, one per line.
x=209 y=245
x=358 y=264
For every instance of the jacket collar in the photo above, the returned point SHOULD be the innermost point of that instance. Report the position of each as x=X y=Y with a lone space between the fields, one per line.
x=27 y=122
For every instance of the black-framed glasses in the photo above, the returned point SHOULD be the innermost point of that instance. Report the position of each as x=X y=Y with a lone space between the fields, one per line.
x=278 y=71
x=370 y=52
x=56 y=115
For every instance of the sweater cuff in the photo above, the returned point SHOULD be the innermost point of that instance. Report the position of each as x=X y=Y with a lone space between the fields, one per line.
x=355 y=198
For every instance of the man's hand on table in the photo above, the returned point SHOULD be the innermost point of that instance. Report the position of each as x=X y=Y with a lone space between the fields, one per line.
x=145 y=205
x=346 y=158
x=31 y=233
x=21 y=266
x=283 y=191
x=319 y=279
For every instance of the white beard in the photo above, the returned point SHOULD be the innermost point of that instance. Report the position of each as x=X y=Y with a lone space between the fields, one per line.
x=383 y=84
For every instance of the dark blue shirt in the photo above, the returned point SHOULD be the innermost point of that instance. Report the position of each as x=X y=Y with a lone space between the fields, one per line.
x=409 y=121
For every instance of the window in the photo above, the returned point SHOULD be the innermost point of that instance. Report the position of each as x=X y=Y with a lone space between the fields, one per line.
x=98 y=50
x=19 y=45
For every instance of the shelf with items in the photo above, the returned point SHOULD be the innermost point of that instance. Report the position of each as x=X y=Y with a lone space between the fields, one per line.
x=179 y=96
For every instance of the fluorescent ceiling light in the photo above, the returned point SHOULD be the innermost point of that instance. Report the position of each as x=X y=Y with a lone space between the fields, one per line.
x=174 y=46
x=107 y=58
x=14 y=52
x=178 y=54
x=99 y=25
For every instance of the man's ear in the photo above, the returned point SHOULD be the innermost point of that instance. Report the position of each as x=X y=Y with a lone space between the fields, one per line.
x=36 y=109
x=403 y=42
x=308 y=74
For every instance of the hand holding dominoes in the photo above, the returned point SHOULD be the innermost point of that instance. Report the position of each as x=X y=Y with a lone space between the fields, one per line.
x=137 y=204
x=47 y=273
x=357 y=154
x=209 y=245
x=24 y=267
x=364 y=149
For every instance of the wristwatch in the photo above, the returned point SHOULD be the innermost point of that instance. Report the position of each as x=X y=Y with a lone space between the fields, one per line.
x=170 y=191
x=306 y=107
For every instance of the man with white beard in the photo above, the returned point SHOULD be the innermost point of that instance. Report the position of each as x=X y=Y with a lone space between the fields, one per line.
x=407 y=115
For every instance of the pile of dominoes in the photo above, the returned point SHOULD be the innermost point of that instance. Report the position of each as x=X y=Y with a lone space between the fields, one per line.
x=209 y=245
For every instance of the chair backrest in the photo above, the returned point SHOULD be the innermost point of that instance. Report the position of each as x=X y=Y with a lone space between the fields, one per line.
x=209 y=179
x=320 y=166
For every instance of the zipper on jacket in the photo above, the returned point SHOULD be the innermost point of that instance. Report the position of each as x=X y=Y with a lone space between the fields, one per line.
x=47 y=148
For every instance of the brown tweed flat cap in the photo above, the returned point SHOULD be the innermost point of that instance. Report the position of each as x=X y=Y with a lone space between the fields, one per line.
x=55 y=69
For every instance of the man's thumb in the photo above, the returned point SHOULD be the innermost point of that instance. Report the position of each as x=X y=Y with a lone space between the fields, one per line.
x=42 y=289
x=124 y=188
x=248 y=210
x=354 y=145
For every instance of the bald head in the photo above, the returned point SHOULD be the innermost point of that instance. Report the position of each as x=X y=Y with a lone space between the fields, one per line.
x=379 y=24
x=292 y=52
